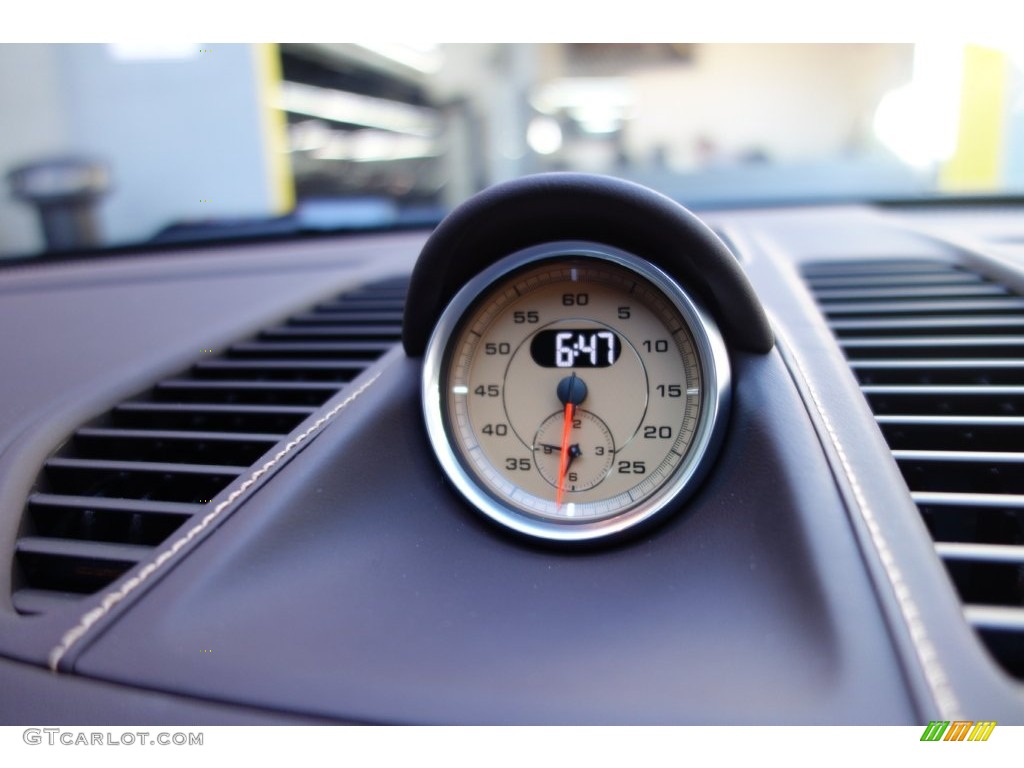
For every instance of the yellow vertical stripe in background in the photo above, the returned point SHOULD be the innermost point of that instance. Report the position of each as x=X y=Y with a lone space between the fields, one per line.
x=977 y=162
x=274 y=128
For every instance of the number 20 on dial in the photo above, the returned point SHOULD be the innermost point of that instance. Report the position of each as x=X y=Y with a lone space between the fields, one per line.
x=573 y=391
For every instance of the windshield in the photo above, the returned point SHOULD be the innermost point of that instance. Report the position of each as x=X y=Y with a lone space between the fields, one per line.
x=113 y=145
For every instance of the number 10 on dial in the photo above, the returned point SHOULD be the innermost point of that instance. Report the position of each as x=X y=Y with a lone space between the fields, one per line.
x=573 y=391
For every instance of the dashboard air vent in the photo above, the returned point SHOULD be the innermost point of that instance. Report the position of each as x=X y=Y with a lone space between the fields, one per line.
x=124 y=483
x=939 y=353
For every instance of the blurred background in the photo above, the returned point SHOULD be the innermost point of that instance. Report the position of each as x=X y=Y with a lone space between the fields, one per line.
x=108 y=145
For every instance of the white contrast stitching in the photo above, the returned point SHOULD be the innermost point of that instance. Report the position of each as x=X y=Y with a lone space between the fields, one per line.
x=935 y=675
x=88 y=620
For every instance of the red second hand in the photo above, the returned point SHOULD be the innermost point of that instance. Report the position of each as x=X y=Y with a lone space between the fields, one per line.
x=563 y=462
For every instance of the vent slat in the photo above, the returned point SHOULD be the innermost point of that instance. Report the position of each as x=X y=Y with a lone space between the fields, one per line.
x=883 y=265
x=392 y=292
x=828 y=295
x=248 y=386
x=942 y=390
x=942 y=366
x=126 y=521
x=953 y=433
x=68 y=565
x=119 y=488
x=985 y=553
x=364 y=351
x=1012 y=305
x=928 y=326
x=868 y=280
x=127 y=506
x=995 y=617
x=364 y=304
x=929 y=346
x=245 y=392
x=933 y=342
x=929 y=371
x=174 y=447
x=335 y=331
x=278 y=370
x=190 y=483
x=92 y=522
x=35 y=601
x=945 y=400
x=923 y=471
x=987 y=500
x=199 y=416
x=953 y=421
x=85 y=550
x=166 y=434
x=348 y=315
x=140 y=466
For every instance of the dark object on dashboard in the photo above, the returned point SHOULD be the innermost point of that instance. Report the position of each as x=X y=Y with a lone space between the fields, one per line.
x=66 y=192
x=551 y=207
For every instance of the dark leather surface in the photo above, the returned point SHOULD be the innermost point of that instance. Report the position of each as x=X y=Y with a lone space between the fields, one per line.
x=80 y=337
x=35 y=697
x=357 y=585
x=779 y=243
x=549 y=207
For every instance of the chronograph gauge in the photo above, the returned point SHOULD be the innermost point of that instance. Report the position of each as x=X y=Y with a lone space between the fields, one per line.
x=573 y=391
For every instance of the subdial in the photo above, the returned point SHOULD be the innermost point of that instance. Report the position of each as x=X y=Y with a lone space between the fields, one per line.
x=590 y=451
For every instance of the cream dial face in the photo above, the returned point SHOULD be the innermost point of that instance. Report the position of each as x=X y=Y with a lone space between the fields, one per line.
x=574 y=394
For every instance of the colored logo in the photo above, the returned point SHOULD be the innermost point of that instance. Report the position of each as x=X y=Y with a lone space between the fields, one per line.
x=958 y=730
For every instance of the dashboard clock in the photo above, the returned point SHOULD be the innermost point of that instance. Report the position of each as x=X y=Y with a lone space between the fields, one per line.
x=573 y=391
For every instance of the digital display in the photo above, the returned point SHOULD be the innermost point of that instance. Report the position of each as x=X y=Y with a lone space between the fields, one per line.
x=575 y=348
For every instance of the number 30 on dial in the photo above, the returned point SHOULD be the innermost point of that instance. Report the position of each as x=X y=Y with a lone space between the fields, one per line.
x=573 y=391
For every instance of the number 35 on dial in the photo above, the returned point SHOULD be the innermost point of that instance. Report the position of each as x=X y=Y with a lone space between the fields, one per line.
x=573 y=391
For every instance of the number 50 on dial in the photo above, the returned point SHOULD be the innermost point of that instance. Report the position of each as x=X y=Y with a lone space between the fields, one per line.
x=573 y=391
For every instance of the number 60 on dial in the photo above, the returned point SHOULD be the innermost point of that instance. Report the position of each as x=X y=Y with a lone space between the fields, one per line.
x=573 y=391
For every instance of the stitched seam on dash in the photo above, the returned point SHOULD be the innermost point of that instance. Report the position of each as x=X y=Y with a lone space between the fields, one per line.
x=91 y=618
x=934 y=673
